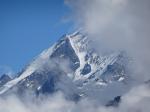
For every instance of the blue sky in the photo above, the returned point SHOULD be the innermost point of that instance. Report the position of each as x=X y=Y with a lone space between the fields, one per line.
x=27 y=27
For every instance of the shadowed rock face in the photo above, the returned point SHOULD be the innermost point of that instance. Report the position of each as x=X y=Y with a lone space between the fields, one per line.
x=4 y=79
x=86 y=69
x=64 y=51
x=115 y=102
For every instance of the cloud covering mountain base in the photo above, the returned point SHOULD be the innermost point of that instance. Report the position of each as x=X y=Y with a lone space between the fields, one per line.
x=136 y=100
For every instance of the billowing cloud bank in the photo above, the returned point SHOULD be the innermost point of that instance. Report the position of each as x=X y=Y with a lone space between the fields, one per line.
x=117 y=25
x=137 y=100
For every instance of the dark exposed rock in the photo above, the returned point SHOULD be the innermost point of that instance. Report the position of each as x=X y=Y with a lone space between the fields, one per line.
x=4 y=79
x=115 y=102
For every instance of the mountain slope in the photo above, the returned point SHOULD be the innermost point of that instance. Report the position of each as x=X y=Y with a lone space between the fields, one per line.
x=70 y=65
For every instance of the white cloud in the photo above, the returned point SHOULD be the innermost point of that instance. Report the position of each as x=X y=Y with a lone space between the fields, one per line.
x=136 y=100
x=117 y=25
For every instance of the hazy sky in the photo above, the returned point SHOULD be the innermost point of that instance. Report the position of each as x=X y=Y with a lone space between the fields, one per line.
x=27 y=27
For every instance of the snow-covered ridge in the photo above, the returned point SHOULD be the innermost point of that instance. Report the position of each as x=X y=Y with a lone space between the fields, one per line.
x=80 y=44
x=36 y=64
x=97 y=62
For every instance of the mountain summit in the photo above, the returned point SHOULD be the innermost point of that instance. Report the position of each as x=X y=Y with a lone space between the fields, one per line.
x=72 y=66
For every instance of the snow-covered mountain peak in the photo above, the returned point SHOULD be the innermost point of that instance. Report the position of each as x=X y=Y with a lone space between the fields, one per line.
x=84 y=64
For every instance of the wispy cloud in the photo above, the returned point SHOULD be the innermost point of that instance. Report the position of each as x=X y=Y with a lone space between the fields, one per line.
x=136 y=100
x=117 y=25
